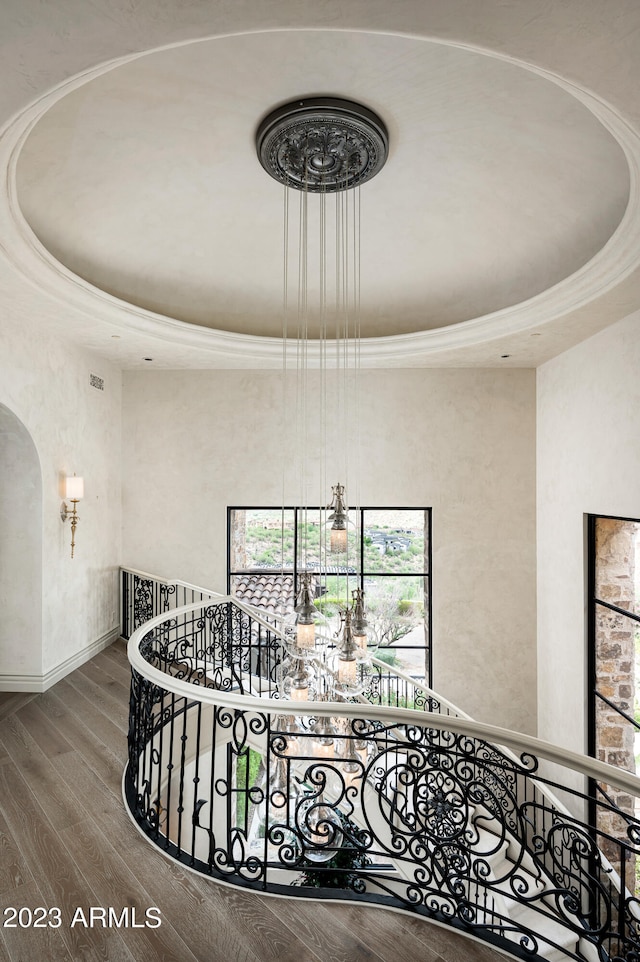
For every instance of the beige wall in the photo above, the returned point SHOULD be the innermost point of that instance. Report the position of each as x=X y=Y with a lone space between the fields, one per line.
x=20 y=549
x=588 y=429
x=73 y=427
x=461 y=441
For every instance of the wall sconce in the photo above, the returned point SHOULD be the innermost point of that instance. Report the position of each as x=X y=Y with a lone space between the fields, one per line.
x=74 y=491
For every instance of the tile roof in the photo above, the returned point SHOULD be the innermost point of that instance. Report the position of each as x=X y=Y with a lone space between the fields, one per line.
x=271 y=591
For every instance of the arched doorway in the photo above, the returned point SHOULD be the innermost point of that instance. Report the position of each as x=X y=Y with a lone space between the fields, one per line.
x=20 y=557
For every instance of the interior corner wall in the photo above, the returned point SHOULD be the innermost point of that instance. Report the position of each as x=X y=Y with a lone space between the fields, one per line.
x=460 y=441
x=588 y=444
x=74 y=428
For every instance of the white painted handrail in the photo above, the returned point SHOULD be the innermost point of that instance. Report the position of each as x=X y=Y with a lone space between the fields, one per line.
x=256 y=614
x=520 y=743
x=147 y=576
x=420 y=686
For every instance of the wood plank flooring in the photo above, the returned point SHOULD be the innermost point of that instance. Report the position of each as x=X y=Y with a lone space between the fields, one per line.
x=66 y=842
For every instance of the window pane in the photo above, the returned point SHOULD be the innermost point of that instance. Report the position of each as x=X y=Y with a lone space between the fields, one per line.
x=614 y=639
x=617 y=641
x=314 y=542
x=311 y=535
x=397 y=621
x=334 y=592
x=266 y=563
x=259 y=539
x=617 y=575
x=395 y=541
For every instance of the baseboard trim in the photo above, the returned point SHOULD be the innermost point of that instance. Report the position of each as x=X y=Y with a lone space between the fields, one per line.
x=40 y=683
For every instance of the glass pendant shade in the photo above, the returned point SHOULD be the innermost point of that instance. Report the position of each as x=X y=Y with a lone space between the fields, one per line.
x=352 y=770
x=347 y=671
x=305 y=635
x=360 y=638
x=338 y=540
x=359 y=622
x=324 y=746
x=324 y=741
x=305 y=611
x=299 y=693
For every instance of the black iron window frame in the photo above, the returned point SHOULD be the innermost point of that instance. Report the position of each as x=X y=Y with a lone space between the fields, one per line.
x=594 y=604
x=361 y=574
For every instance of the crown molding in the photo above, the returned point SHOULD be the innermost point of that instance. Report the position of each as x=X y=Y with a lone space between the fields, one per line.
x=616 y=261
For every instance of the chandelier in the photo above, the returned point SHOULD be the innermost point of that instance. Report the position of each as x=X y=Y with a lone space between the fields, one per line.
x=323 y=147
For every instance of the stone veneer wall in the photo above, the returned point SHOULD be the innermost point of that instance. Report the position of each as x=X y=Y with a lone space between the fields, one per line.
x=615 y=660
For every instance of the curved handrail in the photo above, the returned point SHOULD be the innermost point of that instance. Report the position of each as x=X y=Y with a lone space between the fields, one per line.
x=429 y=692
x=257 y=615
x=519 y=742
x=434 y=813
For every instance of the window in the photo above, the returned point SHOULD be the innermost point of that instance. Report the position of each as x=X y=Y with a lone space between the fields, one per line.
x=613 y=653
x=388 y=556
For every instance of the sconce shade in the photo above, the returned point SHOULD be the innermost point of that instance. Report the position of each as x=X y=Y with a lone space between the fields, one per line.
x=74 y=488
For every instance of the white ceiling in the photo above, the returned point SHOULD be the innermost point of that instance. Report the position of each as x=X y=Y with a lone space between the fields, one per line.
x=139 y=220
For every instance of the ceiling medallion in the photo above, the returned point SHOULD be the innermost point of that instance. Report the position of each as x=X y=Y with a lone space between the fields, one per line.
x=322 y=144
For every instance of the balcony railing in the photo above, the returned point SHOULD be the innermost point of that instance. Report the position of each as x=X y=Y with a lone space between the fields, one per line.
x=144 y=595
x=417 y=808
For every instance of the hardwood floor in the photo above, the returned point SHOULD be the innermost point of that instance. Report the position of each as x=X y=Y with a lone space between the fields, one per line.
x=67 y=843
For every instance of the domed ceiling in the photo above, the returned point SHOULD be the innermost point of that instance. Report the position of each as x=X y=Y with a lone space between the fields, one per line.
x=144 y=181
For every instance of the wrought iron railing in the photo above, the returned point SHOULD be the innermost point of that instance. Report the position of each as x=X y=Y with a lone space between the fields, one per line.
x=420 y=810
x=143 y=596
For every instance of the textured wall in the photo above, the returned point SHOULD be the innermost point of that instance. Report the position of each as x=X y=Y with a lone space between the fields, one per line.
x=588 y=462
x=461 y=441
x=20 y=549
x=73 y=427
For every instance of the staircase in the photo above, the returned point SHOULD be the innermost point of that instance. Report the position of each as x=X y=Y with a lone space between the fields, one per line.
x=438 y=817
